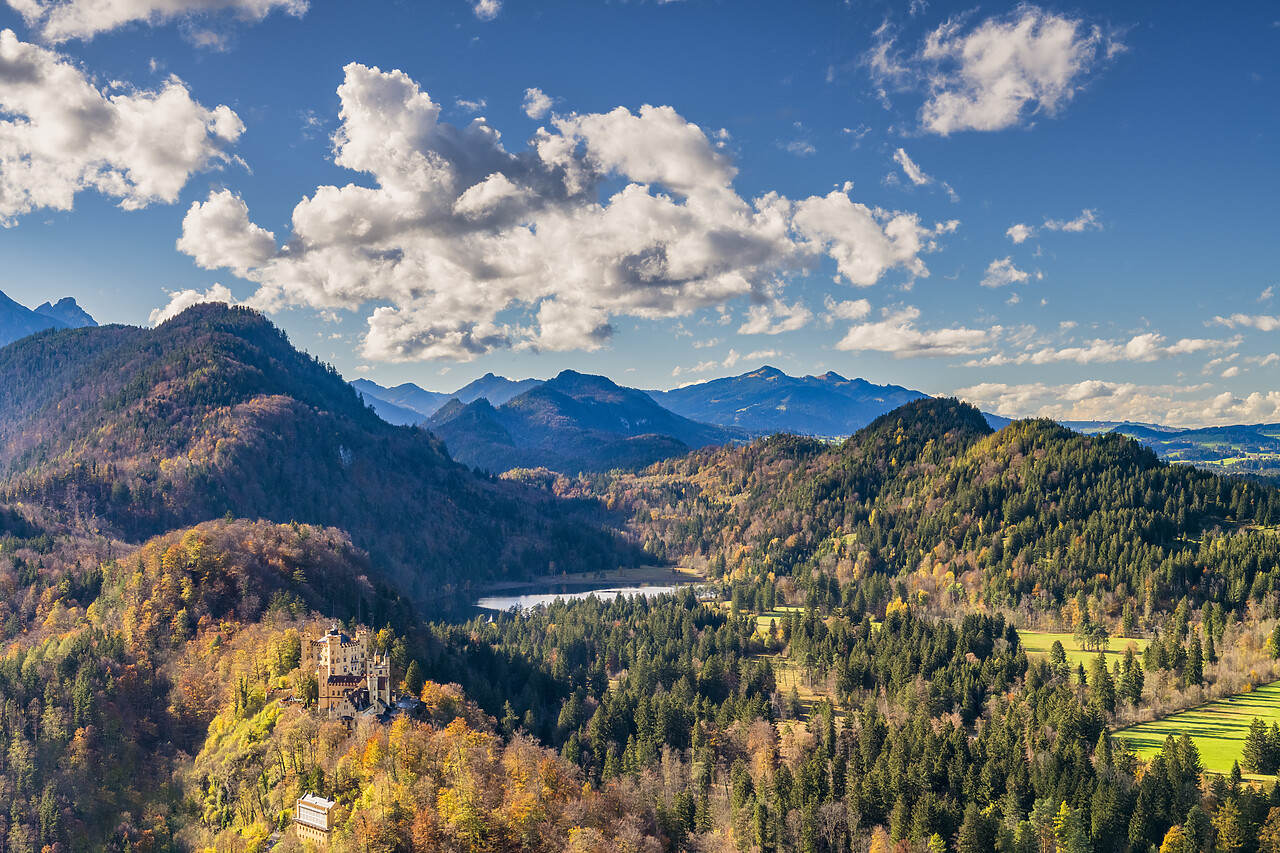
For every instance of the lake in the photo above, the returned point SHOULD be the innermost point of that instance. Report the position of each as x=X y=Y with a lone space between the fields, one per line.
x=530 y=600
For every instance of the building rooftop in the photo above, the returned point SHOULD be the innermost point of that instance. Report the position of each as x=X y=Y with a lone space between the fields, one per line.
x=345 y=680
x=317 y=801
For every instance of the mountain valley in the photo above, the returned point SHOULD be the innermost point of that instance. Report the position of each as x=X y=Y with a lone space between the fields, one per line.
x=185 y=506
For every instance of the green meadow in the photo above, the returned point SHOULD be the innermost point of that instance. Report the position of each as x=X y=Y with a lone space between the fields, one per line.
x=777 y=615
x=1039 y=642
x=1218 y=728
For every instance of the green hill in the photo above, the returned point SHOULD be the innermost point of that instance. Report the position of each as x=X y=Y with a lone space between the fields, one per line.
x=139 y=431
x=1031 y=514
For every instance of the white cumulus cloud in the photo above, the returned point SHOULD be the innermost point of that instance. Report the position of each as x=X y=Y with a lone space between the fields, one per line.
x=1100 y=400
x=1000 y=73
x=60 y=134
x=1020 y=233
x=181 y=300
x=774 y=318
x=536 y=103
x=1086 y=221
x=1145 y=347
x=865 y=243
x=61 y=20
x=910 y=169
x=897 y=333
x=1001 y=272
x=486 y=10
x=1261 y=322
x=459 y=246
x=852 y=309
x=218 y=233
x=918 y=176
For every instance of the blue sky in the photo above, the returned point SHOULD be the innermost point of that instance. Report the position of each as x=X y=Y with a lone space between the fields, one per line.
x=1059 y=210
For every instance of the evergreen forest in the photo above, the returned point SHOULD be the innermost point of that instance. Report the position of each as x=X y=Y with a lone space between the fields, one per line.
x=861 y=665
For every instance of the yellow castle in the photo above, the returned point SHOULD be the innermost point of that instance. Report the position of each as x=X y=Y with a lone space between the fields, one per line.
x=350 y=680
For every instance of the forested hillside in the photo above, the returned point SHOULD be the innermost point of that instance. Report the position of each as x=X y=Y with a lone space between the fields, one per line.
x=140 y=431
x=1023 y=518
x=855 y=676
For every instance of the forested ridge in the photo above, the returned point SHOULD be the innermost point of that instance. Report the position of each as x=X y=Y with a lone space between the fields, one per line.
x=853 y=676
x=928 y=494
x=140 y=431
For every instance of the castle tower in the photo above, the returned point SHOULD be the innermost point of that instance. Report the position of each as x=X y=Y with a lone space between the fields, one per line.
x=344 y=670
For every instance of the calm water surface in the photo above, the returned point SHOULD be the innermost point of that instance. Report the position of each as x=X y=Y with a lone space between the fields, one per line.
x=529 y=600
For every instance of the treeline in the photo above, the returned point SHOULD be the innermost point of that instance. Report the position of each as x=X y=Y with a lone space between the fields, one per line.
x=1026 y=517
x=949 y=739
x=654 y=725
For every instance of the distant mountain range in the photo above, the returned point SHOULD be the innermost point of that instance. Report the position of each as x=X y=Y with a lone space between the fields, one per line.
x=482 y=424
x=408 y=404
x=762 y=402
x=581 y=422
x=18 y=321
x=573 y=422
x=768 y=401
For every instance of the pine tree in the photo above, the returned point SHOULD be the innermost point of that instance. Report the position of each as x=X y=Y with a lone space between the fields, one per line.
x=702 y=814
x=1041 y=819
x=976 y=835
x=1140 y=822
x=1102 y=688
x=414 y=679
x=1181 y=619
x=795 y=709
x=900 y=819
x=1129 y=622
x=1256 y=755
x=50 y=816
x=612 y=764
x=1197 y=828
x=1193 y=672
x=760 y=828
x=1131 y=678
x=509 y=719
x=1102 y=752
x=1189 y=758
x=1069 y=831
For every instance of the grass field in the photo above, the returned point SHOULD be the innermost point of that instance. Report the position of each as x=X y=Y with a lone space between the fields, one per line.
x=1218 y=728
x=778 y=614
x=1039 y=642
x=788 y=675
